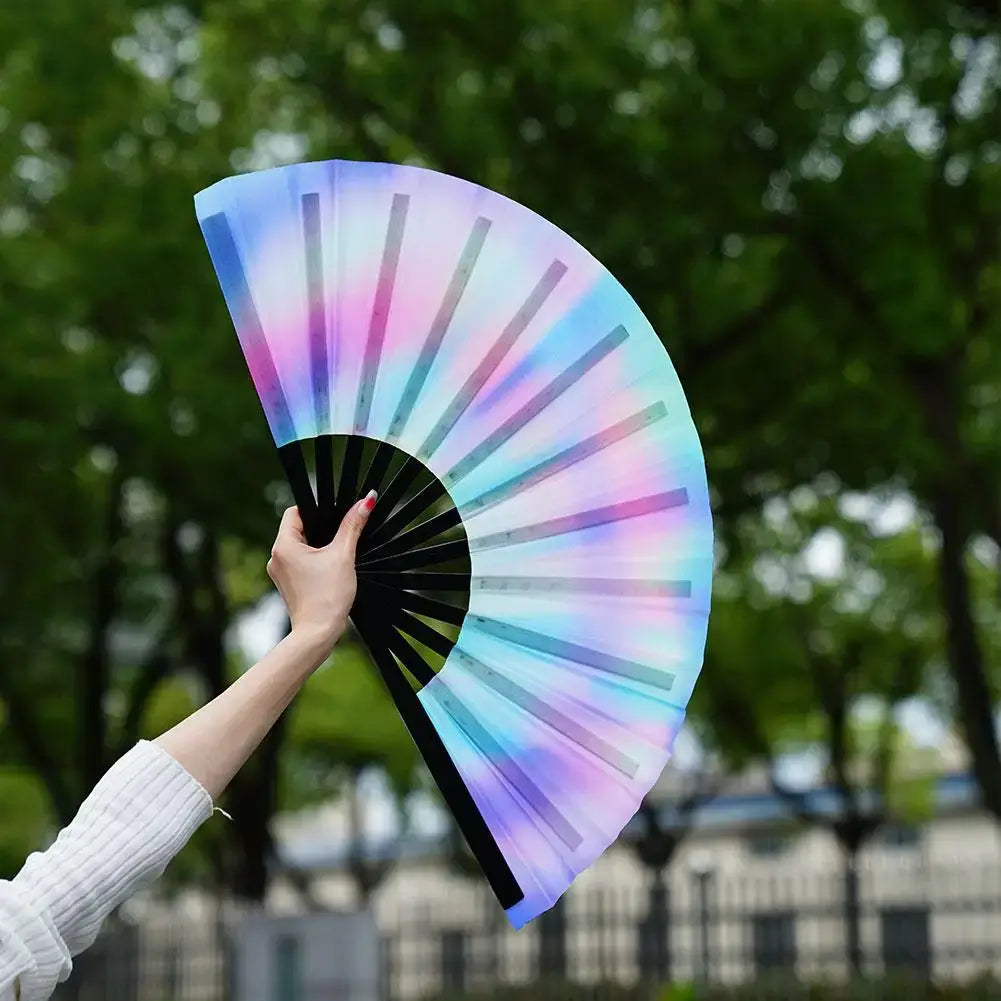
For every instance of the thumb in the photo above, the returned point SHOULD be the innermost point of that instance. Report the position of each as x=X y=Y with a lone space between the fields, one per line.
x=354 y=522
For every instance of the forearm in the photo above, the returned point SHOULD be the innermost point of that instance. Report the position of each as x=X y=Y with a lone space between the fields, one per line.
x=153 y=799
x=318 y=588
x=213 y=743
x=137 y=818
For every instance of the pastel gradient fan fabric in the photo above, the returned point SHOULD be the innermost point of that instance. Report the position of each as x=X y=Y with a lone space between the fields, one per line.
x=404 y=306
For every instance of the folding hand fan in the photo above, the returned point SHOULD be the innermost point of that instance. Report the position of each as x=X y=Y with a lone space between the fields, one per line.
x=534 y=581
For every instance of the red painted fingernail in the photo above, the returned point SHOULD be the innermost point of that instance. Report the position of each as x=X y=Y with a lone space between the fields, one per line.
x=370 y=500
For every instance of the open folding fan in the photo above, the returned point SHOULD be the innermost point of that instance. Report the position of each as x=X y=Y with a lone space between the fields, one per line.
x=534 y=581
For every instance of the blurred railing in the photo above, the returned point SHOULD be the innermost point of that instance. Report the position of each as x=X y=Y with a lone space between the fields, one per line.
x=698 y=928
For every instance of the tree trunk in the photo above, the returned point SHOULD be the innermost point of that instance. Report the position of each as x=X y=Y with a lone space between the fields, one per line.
x=95 y=666
x=553 y=942
x=960 y=485
x=852 y=910
x=366 y=872
x=654 y=932
x=253 y=797
x=966 y=659
x=253 y=794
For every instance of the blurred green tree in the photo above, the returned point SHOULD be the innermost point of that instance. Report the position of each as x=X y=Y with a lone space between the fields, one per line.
x=805 y=199
x=135 y=532
x=819 y=655
x=809 y=194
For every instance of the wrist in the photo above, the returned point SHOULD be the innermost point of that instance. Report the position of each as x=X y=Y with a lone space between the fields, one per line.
x=312 y=644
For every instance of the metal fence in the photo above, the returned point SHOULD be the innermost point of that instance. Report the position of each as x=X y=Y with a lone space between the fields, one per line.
x=911 y=922
x=943 y=925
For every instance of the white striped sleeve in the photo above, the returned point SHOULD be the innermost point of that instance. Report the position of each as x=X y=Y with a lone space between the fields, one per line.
x=138 y=817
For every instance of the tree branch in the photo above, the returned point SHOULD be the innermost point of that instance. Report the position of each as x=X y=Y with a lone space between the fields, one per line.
x=933 y=385
x=928 y=379
x=738 y=332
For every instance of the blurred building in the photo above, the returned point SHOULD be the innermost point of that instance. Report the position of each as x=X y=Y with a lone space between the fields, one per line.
x=749 y=891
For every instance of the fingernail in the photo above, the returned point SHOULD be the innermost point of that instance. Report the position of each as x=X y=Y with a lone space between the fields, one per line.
x=370 y=498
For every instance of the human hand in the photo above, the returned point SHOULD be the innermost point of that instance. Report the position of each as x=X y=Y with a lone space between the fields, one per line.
x=318 y=585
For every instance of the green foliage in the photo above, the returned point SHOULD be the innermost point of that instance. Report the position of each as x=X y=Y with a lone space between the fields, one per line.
x=25 y=820
x=679 y=992
x=344 y=720
x=892 y=988
x=795 y=645
x=172 y=701
x=901 y=987
x=552 y=990
x=804 y=198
